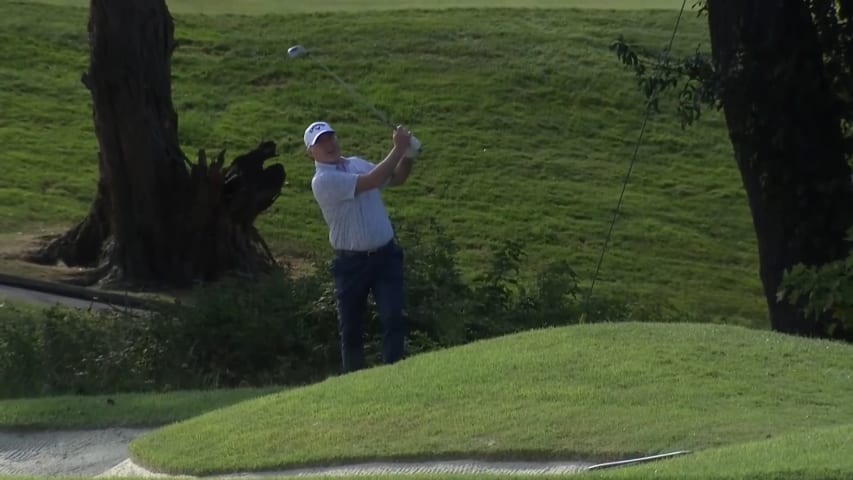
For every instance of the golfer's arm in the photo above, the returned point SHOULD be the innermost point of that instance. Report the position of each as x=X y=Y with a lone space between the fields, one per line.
x=401 y=173
x=380 y=173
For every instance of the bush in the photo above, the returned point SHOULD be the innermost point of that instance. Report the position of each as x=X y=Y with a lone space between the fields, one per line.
x=70 y=351
x=824 y=294
x=276 y=330
x=282 y=329
x=20 y=357
x=437 y=298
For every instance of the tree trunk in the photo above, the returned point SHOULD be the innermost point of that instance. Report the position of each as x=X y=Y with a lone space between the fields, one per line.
x=785 y=127
x=158 y=218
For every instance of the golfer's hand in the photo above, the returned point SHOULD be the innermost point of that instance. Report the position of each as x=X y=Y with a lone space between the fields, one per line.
x=401 y=138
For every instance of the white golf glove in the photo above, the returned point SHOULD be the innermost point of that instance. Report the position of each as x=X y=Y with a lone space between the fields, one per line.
x=414 y=148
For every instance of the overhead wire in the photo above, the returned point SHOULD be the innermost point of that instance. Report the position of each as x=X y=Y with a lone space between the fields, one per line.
x=647 y=115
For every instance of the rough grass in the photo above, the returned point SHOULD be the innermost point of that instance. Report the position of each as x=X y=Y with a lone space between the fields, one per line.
x=122 y=410
x=262 y=7
x=585 y=392
x=528 y=122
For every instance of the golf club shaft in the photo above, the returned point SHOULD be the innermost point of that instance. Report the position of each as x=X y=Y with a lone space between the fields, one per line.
x=384 y=118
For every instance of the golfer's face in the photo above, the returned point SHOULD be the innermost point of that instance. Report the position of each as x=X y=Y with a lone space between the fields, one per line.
x=326 y=148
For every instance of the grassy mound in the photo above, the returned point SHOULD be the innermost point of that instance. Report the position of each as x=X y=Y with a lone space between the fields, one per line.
x=589 y=392
x=527 y=118
x=822 y=453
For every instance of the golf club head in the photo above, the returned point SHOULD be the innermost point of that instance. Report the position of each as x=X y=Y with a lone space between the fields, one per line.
x=414 y=147
x=296 y=51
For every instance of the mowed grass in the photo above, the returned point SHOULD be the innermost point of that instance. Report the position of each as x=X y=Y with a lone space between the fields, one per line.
x=602 y=391
x=262 y=7
x=822 y=453
x=527 y=118
x=121 y=410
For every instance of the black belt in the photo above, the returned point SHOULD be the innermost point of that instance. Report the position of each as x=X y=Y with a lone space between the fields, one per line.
x=366 y=253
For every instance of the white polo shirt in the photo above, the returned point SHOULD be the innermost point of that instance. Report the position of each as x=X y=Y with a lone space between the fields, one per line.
x=356 y=222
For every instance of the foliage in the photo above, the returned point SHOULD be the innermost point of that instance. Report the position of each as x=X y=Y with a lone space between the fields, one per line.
x=770 y=136
x=823 y=289
x=62 y=350
x=701 y=83
x=282 y=329
x=694 y=75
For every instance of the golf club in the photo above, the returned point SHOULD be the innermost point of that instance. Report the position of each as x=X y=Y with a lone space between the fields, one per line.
x=298 y=51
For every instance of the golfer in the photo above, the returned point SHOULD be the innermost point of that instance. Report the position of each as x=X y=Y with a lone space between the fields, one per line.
x=366 y=257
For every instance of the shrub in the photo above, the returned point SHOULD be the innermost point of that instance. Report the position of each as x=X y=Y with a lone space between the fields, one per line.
x=72 y=351
x=237 y=332
x=282 y=329
x=824 y=294
x=20 y=358
x=437 y=297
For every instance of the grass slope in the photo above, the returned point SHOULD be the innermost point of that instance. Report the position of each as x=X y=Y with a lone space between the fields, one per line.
x=590 y=392
x=527 y=118
x=822 y=453
x=261 y=7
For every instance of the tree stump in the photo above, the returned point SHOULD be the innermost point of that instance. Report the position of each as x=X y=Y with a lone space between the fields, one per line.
x=157 y=218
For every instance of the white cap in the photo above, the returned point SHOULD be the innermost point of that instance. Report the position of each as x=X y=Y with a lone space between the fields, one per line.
x=314 y=131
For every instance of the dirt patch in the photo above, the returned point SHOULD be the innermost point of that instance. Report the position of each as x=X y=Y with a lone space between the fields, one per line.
x=13 y=248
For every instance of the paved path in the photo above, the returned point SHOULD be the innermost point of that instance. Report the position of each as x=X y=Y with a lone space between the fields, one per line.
x=44 y=298
x=36 y=291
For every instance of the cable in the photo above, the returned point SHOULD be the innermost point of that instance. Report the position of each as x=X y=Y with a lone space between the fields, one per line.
x=649 y=104
x=382 y=116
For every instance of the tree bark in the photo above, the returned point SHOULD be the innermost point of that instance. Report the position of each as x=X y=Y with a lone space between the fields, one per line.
x=785 y=127
x=159 y=219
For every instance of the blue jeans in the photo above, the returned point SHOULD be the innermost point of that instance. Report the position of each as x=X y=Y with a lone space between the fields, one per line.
x=357 y=274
